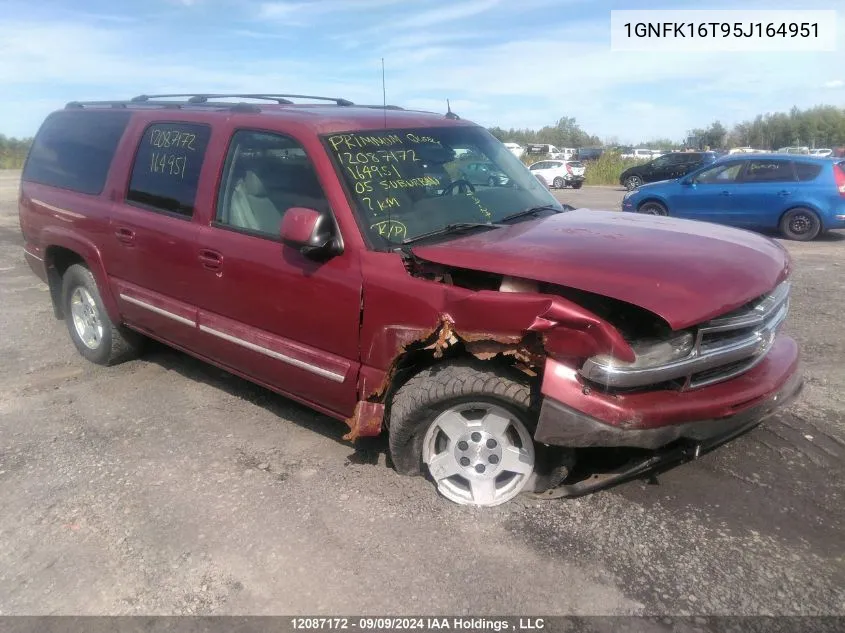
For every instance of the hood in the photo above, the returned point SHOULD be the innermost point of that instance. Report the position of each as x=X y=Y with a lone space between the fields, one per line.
x=685 y=272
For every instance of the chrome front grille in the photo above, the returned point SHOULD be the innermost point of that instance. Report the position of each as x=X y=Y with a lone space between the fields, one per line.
x=723 y=348
x=738 y=341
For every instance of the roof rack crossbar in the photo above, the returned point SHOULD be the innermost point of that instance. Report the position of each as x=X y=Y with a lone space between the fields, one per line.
x=278 y=98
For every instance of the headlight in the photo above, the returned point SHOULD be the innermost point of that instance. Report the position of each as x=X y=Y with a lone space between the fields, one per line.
x=628 y=194
x=651 y=353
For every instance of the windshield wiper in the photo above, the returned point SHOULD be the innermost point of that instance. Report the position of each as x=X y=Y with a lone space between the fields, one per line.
x=451 y=228
x=530 y=211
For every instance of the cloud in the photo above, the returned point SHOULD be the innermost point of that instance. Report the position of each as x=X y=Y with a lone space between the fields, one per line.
x=450 y=13
x=499 y=64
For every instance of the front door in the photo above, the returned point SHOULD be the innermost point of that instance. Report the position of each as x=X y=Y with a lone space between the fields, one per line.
x=150 y=250
x=265 y=309
x=706 y=195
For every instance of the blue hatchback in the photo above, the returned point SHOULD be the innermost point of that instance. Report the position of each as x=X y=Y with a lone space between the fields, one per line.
x=800 y=196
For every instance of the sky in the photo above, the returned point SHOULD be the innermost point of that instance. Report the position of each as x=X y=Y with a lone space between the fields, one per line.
x=510 y=63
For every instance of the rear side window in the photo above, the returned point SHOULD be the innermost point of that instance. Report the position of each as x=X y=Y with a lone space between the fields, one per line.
x=74 y=149
x=807 y=171
x=167 y=167
x=768 y=171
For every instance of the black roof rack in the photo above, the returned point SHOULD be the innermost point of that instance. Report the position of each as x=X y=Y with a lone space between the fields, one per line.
x=278 y=98
x=203 y=100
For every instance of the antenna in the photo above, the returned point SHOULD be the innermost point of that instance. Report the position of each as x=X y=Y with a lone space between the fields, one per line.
x=449 y=113
x=383 y=94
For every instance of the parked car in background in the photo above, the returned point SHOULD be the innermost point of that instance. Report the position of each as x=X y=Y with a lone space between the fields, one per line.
x=666 y=167
x=515 y=148
x=589 y=153
x=801 y=197
x=560 y=173
x=822 y=152
x=794 y=150
x=484 y=173
x=544 y=149
x=492 y=334
x=637 y=153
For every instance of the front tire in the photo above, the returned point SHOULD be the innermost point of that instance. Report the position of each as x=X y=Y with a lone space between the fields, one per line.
x=558 y=183
x=92 y=332
x=632 y=182
x=468 y=427
x=653 y=208
x=802 y=225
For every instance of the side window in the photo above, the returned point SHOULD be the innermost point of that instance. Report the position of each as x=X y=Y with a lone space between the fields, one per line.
x=74 y=149
x=807 y=171
x=167 y=167
x=720 y=174
x=265 y=175
x=768 y=171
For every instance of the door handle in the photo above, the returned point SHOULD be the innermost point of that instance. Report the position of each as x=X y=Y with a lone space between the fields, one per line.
x=211 y=260
x=784 y=193
x=124 y=235
x=726 y=193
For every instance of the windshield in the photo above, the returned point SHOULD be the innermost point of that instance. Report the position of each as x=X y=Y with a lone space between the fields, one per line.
x=407 y=182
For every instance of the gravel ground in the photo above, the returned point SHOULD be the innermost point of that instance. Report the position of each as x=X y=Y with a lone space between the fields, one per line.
x=166 y=486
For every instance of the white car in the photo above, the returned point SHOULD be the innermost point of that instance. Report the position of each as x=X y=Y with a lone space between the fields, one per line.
x=822 y=152
x=560 y=173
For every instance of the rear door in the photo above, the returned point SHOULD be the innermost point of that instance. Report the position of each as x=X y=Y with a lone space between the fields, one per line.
x=150 y=251
x=266 y=310
x=765 y=190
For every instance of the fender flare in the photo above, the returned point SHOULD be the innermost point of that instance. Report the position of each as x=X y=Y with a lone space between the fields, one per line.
x=90 y=254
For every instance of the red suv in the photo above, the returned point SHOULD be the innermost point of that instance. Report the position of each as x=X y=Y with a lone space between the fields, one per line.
x=335 y=254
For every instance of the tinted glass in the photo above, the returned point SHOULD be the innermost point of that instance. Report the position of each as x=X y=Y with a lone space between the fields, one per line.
x=265 y=175
x=768 y=171
x=807 y=171
x=167 y=167
x=73 y=149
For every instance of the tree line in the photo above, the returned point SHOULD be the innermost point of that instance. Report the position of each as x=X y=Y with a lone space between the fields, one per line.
x=820 y=126
x=13 y=151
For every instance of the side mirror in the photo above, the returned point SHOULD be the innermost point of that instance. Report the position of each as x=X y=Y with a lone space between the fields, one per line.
x=688 y=182
x=309 y=231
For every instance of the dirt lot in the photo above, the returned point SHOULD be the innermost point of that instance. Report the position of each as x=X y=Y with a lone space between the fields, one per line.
x=166 y=486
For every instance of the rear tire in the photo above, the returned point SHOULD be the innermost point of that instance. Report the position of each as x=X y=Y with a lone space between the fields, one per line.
x=652 y=208
x=558 y=183
x=95 y=336
x=469 y=427
x=800 y=224
x=577 y=185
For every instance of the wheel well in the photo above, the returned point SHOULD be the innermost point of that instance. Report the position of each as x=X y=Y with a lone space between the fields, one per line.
x=648 y=200
x=808 y=208
x=412 y=362
x=58 y=259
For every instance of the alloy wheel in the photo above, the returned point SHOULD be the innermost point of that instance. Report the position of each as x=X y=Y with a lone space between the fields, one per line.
x=86 y=318
x=478 y=454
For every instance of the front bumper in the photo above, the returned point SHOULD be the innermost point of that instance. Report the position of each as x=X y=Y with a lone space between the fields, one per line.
x=573 y=415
